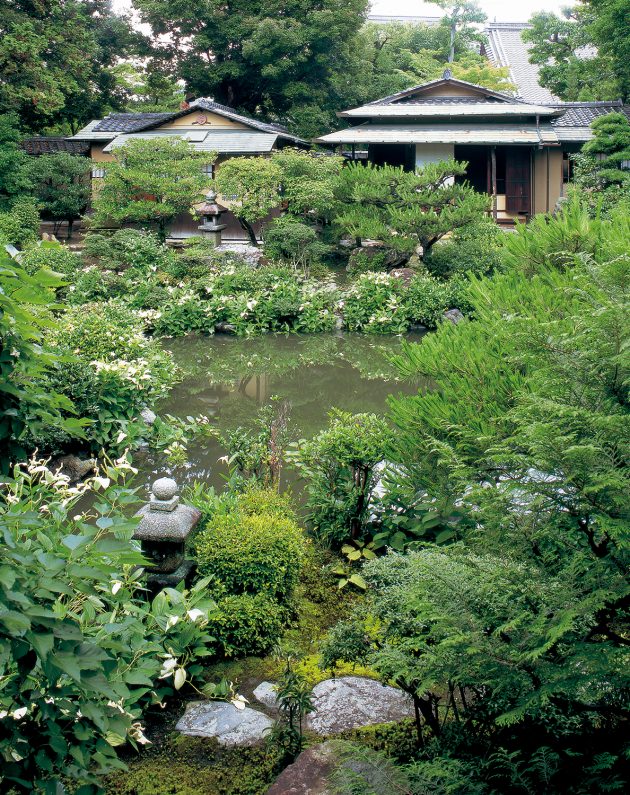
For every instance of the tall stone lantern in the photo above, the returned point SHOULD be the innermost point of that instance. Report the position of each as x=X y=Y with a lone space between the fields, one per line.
x=164 y=527
x=211 y=213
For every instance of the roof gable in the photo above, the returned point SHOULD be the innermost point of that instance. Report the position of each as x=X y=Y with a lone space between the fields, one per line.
x=448 y=88
x=446 y=98
x=140 y=122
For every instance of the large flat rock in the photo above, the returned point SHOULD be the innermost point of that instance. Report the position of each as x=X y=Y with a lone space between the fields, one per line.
x=229 y=725
x=352 y=701
x=308 y=775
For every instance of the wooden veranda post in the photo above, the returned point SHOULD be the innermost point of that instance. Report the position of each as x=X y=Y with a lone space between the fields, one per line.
x=493 y=177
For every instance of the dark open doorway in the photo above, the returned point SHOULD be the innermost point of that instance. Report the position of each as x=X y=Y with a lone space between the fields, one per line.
x=393 y=155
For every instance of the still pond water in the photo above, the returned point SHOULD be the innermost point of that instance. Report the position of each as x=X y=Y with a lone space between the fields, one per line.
x=229 y=379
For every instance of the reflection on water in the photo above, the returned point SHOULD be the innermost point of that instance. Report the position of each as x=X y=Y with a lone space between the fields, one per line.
x=228 y=379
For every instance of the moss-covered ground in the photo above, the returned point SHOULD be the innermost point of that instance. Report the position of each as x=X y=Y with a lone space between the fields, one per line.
x=177 y=765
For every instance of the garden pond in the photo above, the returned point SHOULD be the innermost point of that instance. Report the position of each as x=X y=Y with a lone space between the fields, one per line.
x=229 y=379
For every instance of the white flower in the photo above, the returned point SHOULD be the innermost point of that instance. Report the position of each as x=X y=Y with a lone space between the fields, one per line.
x=18 y=714
x=239 y=701
x=180 y=678
x=195 y=613
x=168 y=666
x=137 y=733
x=172 y=620
x=116 y=586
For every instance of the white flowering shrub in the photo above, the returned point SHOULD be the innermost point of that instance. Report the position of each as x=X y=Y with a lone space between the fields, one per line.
x=110 y=371
x=81 y=650
x=384 y=304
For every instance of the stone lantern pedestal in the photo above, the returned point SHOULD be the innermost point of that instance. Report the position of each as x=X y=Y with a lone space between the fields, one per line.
x=163 y=530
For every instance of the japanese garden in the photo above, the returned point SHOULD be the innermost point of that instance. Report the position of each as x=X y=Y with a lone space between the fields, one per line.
x=314 y=373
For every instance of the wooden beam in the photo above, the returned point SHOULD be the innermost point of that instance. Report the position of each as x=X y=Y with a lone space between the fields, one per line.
x=493 y=172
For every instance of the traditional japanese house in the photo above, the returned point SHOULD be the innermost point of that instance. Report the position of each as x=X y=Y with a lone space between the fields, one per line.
x=517 y=150
x=206 y=125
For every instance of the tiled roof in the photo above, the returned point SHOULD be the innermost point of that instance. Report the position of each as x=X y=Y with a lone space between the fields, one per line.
x=130 y=122
x=581 y=114
x=52 y=144
x=574 y=124
x=135 y=122
x=88 y=133
x=439 y=109
x=230 y=113
x=414 y=94
x=445 y=133
x=506 y=48
x=221 y=141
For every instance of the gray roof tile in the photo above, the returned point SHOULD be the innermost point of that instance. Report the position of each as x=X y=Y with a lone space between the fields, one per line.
x=130 y=122
x=51 y=144
x=506 y=48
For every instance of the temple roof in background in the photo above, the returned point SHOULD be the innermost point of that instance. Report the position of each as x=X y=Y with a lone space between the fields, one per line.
x=52 y=144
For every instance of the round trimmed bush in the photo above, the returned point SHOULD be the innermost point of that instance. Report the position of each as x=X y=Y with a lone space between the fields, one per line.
x=258 y=547
x=247 y=624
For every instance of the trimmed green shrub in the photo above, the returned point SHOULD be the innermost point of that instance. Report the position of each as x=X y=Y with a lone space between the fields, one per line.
x=20 y=224
x=128 y=248
x=247 y=552
x=267 y=501
x=294 y=242
x=476 y=248
x=52 y=256
x=247 y=624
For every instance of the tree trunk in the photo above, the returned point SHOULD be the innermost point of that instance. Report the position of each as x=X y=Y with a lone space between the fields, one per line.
x=250 y=231
x=426 y=708
x=70 y=226
x=418 y=722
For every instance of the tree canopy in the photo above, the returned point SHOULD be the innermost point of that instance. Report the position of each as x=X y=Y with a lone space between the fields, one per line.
x=62 y=186
x=151 y=182
x=406 y=208
x=55 y=59
x=583 y=54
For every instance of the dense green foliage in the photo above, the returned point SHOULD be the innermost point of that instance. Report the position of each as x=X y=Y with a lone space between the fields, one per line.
x=55 y=60
x=339 y=466
x=598 y=29
x=108 y=369
x=81 y=651
x=302 y=182
x=514 y=643
x=406 y=209
x=601 y=171
x=61 y=185
x=151 y=182
x=383 y=304
x=299 y=63
x=14 y=176
x=26 y=405
x=253 y=550
x=475 y=248
x=19 y=224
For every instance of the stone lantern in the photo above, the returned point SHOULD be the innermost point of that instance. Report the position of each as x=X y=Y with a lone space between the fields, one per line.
x=164 y=526
x=211 y=214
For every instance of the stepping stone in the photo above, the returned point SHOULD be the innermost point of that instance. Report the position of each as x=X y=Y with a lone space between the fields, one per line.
x=308 y=775
x=352 y=701
x=230 y=726
x=266 y=694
